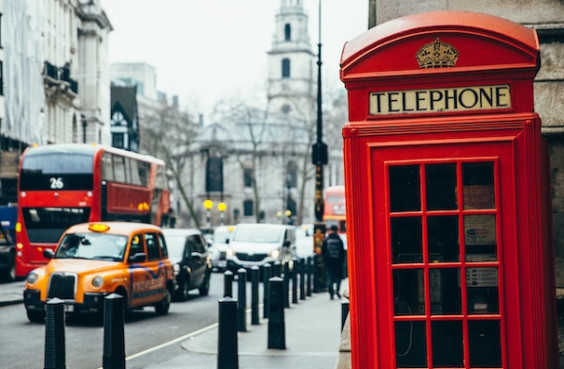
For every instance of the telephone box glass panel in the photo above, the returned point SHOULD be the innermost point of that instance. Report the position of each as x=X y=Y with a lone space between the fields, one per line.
x=444 y=259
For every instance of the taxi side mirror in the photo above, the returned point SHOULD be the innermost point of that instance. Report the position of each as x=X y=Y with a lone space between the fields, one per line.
x=137 y=258
x=48 y=253
x=286 y=243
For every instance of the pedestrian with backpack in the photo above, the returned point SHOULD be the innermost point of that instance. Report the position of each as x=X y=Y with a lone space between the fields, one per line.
x=333 y=252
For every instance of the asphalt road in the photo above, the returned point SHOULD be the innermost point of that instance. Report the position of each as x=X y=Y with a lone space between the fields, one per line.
x=22 y=343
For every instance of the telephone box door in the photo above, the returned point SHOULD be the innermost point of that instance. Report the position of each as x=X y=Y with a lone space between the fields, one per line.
x=443 y=226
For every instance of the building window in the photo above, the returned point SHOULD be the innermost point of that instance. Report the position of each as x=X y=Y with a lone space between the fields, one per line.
x=285 y=68
x=118 y=119
x=291 y=174
x=214 y=175
x=248 y=177
x=117 y=140
x=287 y=32
x=248 y=208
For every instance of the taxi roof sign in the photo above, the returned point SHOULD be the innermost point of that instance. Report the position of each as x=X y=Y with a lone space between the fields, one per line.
x=97 y=227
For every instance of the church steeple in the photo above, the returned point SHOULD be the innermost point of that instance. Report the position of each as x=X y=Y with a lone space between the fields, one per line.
x=291 y=76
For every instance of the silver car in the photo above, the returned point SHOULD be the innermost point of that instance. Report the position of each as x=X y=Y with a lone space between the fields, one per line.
x=220 y=247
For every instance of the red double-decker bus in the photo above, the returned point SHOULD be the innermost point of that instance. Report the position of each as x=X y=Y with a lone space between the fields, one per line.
x=334 y=208
x=62 y=185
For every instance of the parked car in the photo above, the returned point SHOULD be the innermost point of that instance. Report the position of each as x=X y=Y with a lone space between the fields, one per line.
x=220 y=246
x=304 y=240
x=93 y=260
x=188 y=252
x=259 y=243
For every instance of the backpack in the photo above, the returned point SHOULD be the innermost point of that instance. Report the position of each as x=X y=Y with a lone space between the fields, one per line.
x=333 y=248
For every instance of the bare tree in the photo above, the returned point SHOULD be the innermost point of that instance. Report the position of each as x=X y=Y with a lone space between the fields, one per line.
x=253 y=124
x=169 y=136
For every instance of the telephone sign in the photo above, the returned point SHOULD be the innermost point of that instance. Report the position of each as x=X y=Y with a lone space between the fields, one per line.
x=446 y=177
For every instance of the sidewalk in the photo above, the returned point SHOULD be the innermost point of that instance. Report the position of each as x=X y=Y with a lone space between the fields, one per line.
x=11 y=293
x=313 y=332
x=312 y=329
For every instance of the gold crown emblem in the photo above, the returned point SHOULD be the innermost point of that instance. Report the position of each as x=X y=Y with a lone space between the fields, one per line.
x=436 y=54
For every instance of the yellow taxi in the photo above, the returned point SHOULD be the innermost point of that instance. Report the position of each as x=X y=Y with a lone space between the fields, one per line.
x=93 y=260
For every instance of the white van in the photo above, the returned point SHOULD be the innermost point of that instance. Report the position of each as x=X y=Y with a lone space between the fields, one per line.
x=258 y=244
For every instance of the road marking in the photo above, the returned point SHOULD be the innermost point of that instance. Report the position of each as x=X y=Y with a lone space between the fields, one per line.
x=172 y=342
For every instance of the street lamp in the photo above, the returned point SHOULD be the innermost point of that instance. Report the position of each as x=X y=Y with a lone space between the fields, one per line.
x=319 y=158
x=221 y=207
x=208 y=204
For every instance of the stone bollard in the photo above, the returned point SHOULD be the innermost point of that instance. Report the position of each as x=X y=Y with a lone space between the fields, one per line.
x=114 y=337
x=228 y=284
x=286 y=283
x=55 y=334
x=294 y=274
x=266 y=274
x=344 y=312
x=242 y=300
x=309 y=269
x=276 y=323
x=255 y=295
x=227 y=346
x=301 y=265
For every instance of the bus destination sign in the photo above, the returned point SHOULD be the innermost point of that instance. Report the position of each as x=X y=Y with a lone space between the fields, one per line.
x=440 y=100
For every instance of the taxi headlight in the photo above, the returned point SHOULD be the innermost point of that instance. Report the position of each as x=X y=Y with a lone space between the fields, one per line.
x=32 y=278
x=176 y=268
x=98 y=282
x=274 y=253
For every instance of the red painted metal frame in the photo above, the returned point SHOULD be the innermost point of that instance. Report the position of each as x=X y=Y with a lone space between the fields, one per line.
x=493 y=51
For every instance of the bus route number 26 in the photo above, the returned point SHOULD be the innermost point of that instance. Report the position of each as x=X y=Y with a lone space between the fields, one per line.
x=56 y=183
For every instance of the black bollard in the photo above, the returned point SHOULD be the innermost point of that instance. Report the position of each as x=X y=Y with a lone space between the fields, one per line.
x=309 y=270
x=266 y=274
x=276 y=324
x=344 y=312
x=228 y=284
x=114 y=337
x=286 y=281
x=276 y=269
x=227 y=346
x=294 y=274
x=55 y=334
x=242 y=300
x=255 y=295
x=301 y=265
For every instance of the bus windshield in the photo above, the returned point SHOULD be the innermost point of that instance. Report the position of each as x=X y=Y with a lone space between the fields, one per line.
x=56 y=171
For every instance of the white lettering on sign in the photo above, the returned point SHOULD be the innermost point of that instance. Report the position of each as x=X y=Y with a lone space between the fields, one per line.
x=440 y=100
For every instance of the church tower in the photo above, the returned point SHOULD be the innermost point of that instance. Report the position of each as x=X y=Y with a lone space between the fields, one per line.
x=292 y=76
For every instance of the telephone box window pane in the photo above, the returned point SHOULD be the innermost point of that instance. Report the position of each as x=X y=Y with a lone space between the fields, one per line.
x=406 y=240
x=405 y=188
x=484 y=343
x=444 y=286
x=409 y=292
x=483 y=292
x=447 y=344
x=478 y=180
x=440 y=181
x=480 y=237
x=442 y=234
x=411 y=345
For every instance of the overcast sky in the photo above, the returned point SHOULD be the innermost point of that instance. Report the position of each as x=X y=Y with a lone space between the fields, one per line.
x=206 y=50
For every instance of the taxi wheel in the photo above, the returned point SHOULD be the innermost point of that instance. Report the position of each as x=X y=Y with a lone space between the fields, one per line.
x=36 y=316
x=162 y=307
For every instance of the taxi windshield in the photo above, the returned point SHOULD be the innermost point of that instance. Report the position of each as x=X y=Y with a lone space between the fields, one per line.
x=95 y=246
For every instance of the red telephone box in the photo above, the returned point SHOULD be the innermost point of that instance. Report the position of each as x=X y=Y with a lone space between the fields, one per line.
x=447 y=193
